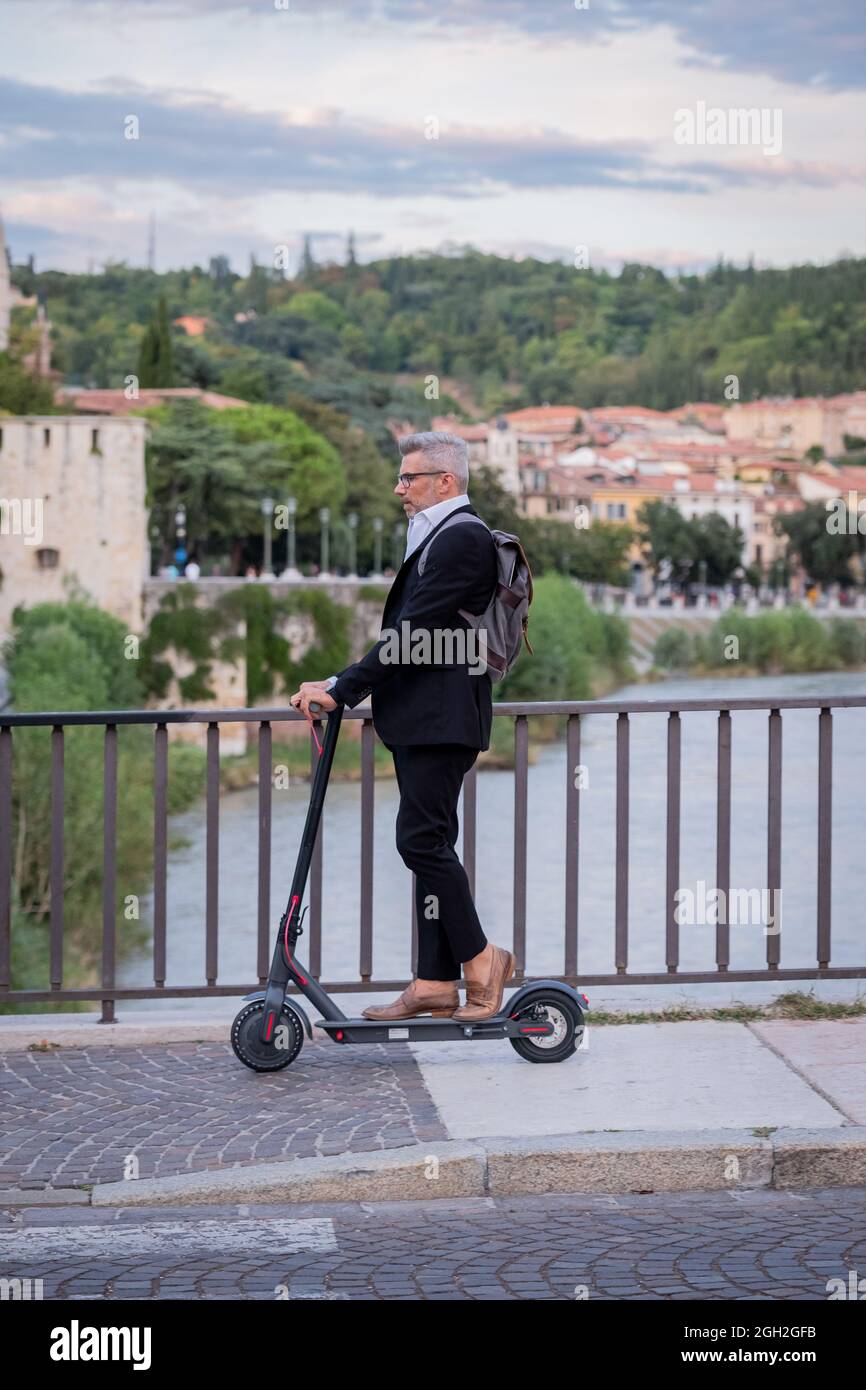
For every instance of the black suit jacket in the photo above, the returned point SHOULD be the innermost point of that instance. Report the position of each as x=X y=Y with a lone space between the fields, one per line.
x=437 y=702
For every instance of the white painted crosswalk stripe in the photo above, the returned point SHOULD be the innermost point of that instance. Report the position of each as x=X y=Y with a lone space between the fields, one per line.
x=286 y=1237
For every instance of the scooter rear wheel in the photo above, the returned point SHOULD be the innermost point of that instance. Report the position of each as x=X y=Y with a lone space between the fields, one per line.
x=568 y=1025
x=260 y=1056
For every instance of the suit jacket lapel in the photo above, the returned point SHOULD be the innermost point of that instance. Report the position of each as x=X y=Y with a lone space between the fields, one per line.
x=404 y=570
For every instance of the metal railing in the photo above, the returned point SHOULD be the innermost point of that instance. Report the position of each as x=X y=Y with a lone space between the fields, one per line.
x=574 y=712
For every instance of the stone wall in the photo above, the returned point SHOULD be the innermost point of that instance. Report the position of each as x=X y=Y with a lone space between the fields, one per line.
x=229 y=679
x=72 y=508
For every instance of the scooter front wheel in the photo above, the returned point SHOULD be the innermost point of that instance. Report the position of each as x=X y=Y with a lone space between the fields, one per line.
x=261 y=1056
x=566 y=1019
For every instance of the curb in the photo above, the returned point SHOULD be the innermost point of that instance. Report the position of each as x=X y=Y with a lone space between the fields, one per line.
x=26 y=1032
x=406 y=1174
x=44 y=1197
x=640 y=1161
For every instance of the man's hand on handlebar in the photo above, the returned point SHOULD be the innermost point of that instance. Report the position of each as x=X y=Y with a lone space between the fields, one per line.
x=312 y=692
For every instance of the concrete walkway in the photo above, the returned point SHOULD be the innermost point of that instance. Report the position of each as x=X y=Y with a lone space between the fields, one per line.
x=119 y=1115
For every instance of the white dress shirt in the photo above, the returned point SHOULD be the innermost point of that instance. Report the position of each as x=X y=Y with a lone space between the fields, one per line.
x=422 y=523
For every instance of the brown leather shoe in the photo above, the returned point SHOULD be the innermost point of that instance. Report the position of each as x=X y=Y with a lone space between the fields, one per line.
x=410 y=1005
x=485 y=1000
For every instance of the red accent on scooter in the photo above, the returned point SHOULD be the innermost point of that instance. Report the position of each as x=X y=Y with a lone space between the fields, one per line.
x=315 y=737
x=302 y=980
x=290 y=914
x=270 y=1028
x=291 y=964
x=534 y=1030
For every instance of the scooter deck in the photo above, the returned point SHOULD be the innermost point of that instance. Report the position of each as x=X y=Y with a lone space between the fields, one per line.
x=367 y=1030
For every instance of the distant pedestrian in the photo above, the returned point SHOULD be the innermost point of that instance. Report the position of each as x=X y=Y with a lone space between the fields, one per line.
x=193 y=569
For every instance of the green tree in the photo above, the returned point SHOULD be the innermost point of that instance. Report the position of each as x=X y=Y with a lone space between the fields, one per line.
x=573 y=646
x=221 y=464
x=308 y=266
x=294 y=460
x=685 y=542
x=192 y=462
x=155 y=359
x=370 y=476
x=719 y=545
x=73 y=657
x=829 y=555
x=22 y=393
x=669 y=539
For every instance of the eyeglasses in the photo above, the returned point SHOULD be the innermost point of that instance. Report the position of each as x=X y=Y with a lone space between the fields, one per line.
x=406 y=478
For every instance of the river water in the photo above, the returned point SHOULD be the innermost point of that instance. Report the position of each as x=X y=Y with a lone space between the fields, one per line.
x=546 y=853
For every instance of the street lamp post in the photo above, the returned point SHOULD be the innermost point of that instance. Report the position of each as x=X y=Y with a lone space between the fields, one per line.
x=180 y=538
x=268 y=514
x=155 y=539
x=739 y=576
x=378 y=523
x=352 y=520
x=324 y=518
x=291 y=568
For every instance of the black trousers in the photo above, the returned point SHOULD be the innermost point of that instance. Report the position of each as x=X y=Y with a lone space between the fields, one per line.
x=430 y=777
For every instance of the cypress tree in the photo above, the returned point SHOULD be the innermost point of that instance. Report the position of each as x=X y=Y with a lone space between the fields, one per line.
x=147 y=356
x=165 y=362
x=155 y=358
x=308 y=265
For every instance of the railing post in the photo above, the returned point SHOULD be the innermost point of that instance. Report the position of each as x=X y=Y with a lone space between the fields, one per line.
x=368 y=785
x=825 y=834
x=109 y=870
x=212 y=852
x=621 y=907
x=521 y=762
x=56 y=962
x=774 y=833
x=672 y=931
x=5 y=857
x=160 y=851
x=572 y=841
x=263 y=932
x=723 y=838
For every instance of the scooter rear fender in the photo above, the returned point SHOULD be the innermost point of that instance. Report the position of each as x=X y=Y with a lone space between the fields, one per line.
x=549 y=987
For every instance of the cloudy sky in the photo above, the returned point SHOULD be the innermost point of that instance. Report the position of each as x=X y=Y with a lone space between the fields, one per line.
x=519 y=126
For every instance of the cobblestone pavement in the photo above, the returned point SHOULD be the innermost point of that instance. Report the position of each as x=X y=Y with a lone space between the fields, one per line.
x=76 y=1115
x=759 y=1245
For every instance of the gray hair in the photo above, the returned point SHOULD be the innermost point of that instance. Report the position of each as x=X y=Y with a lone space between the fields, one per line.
x=447 y=451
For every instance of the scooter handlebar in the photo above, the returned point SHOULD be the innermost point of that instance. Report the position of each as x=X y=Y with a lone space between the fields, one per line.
x=315 y=709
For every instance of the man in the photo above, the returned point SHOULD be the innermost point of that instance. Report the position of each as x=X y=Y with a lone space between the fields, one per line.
x=434 y=717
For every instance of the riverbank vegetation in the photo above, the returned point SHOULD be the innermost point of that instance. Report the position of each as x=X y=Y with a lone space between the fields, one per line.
x=776 y=643
x=72 y=657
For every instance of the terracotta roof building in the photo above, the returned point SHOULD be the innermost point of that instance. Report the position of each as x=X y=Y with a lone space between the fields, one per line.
x=193 y=325
x=111 y=402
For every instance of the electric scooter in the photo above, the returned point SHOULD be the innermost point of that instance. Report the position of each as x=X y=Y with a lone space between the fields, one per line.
x=543 y=1020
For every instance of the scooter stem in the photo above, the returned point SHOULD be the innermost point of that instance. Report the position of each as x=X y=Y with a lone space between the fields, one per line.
x=283 y=966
